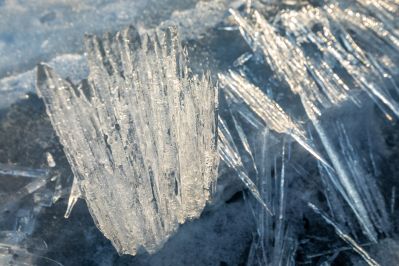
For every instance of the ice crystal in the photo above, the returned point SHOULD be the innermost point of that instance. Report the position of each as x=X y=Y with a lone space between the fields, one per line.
x=306 y=134
x=370 y=261
x=319 y=89
x=229 y=153
x=140 y=135
x=266 y=110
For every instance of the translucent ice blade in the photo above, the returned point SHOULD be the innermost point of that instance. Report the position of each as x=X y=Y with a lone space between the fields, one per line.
x=334 y=42
x=13 y=170
x=393 y=199
x=367 y=187
x=229 y=154
x=272 y=244
x=28 y=189
x=347 y=182
x=244 y=141
x=283 y=58
x=267 y=110
x=280 y=235
x=290 y=64
x=356 y=247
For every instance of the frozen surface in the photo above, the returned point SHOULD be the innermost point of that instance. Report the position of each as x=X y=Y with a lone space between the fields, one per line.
x=45 y=29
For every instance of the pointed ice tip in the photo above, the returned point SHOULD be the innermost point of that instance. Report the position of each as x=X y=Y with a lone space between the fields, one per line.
x=73 y=197
x=171 y=31
x=319 y=157
x=268 y=210
x=42 y=69
x=71 y=203
x=313 y=152
x=43 y=74
x=132 y=37
x=87 y=37
x=232 y=11
x=149 y=43
x=88 y=42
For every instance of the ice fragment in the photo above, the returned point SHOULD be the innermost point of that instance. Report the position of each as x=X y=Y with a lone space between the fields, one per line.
x=140 y=135
x=319 y=90
x=356 y=247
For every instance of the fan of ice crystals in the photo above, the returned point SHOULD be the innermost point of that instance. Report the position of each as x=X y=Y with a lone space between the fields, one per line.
x=140 y=135
x=320 y=89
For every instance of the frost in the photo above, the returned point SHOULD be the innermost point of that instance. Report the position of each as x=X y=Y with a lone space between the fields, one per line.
x=42 y=27
x=140 y=135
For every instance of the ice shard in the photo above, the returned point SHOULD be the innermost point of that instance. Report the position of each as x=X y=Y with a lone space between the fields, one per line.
x=344 y=236
x=319 y=90
x=140 y=135
x=272 y=242
x=267 y=110
x=229 y=154
x=338 y=48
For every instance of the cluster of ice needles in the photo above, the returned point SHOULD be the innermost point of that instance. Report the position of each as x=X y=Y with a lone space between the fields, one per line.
x=299 y=120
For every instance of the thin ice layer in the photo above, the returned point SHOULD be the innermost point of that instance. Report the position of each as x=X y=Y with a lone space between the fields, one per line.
x=140 y=135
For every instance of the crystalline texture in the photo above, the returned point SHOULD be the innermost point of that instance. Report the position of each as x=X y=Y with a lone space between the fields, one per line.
x=344 y=236
x=267 y=110
x=367 y=73
x=271 y=243
x=229 y=154
x=318 y=91
x=140 y=135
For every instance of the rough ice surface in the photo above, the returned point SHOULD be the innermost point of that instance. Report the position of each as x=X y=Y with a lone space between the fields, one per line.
x=307 y=133
x=140 y=135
